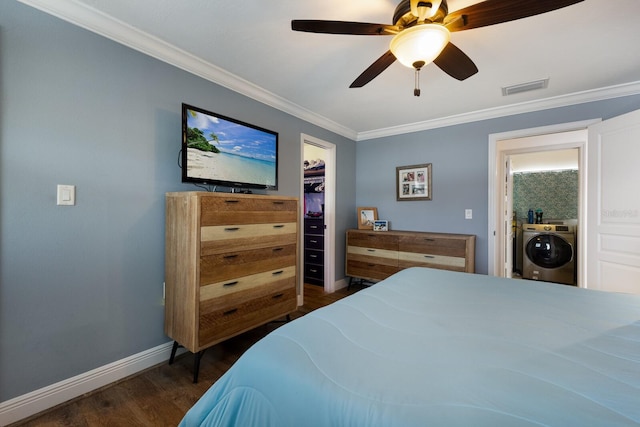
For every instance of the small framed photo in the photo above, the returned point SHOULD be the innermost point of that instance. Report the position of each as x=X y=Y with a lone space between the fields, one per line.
x=380 y=225
x=366 y=218
x=413 y=182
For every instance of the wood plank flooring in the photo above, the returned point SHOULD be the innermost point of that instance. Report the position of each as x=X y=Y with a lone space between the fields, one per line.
x=160 y=396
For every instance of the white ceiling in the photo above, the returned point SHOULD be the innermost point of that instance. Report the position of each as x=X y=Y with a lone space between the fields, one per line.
x=587 y=51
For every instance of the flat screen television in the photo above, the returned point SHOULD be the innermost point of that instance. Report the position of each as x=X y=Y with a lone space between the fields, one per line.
x=218 y=150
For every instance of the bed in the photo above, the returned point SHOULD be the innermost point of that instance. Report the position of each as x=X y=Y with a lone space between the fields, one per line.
x=430 y=347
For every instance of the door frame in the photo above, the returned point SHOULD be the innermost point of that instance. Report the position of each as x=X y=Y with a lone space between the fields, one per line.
x=329 y=211
x=545 y=138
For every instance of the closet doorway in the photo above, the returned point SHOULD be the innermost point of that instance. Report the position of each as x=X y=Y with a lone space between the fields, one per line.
x=317 y=202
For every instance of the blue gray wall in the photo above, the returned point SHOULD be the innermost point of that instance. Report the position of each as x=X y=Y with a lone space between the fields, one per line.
x=81 y=286
x=459 y=158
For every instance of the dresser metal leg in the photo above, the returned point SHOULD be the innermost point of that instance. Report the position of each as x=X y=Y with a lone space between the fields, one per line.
x=173 y=351
x=196 y=365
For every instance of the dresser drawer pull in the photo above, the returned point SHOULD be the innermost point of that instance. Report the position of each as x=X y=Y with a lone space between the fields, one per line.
x=275 y=273
x=279 y=226
x=313 y=226
x=429 y=256
x=277 y=249
x=232 y=201
x=230 y=284
x=232 y=229
x=313 y=241
x=429 y=240
x=313 y=256
x=278 y=296
x=230 y=256
x=313 y=270
x=228 y=312
x=278 y=202
x=371 y=250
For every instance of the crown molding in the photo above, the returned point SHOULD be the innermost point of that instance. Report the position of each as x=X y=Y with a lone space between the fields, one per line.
x=626 y=89
x=84 y=16
x=91 y=19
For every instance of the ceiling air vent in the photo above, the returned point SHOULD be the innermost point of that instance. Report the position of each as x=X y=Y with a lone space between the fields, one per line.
x=525 y=87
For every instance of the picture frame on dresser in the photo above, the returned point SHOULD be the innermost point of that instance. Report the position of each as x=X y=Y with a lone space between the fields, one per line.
x=381 y=225
x=413 y=182
x=366 y=217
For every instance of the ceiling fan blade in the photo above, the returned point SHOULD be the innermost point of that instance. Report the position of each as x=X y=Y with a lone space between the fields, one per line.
x=343 y=27
x=455 y=62
x=490 y=12
x=374 y=69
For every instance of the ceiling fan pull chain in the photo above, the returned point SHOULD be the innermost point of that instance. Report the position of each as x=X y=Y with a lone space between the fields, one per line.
x=418 y=66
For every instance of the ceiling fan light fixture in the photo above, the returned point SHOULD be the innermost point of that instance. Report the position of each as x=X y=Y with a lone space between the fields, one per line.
x=424 y=9
x=421 y=43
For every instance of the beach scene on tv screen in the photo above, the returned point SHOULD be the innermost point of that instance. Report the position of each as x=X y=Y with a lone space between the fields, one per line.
x=222 y=150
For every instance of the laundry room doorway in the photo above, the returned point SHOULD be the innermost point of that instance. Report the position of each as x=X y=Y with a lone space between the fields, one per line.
x=544 y=199
x=503 y=149
x=317 y=200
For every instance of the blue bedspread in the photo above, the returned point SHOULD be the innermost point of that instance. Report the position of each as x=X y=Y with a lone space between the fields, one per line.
x=437 y=348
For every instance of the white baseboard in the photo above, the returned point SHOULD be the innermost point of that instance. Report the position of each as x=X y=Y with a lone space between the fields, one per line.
x=342 y=283
x=36 y=401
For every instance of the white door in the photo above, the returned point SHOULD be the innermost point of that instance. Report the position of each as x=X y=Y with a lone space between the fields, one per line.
x=613 y=213
x=509 y=230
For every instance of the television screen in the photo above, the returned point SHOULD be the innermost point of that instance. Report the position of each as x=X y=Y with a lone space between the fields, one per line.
x=218 y=150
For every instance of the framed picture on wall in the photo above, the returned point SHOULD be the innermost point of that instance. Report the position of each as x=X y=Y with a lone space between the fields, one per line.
x=366 y=218
x=413 y=182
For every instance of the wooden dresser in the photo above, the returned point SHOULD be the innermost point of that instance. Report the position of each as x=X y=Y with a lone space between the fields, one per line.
x=376 y=255
x=230 y=265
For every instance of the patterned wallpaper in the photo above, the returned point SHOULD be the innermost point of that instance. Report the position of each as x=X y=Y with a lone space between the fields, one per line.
x=555 y=192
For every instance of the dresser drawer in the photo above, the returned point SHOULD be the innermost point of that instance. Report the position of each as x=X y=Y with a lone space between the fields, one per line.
x=243 y=210
x=256 y=283
x=228 y=321
x=314 y=226
x=378 y=240
x=313 y=257
x=368 y=270
x=313 y=271
x=433 y=245
x=229 y=238
x=372 y=255
x=219 y=267
x=412 y=259
x=314 y=242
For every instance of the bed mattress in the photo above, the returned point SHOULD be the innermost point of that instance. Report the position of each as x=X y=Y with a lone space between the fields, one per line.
x=430 y=347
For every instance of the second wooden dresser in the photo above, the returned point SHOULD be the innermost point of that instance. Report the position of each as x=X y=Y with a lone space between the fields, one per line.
x=376 y=255
x=230 y=265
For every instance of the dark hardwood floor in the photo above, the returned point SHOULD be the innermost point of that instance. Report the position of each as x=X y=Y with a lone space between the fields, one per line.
x=160 y=396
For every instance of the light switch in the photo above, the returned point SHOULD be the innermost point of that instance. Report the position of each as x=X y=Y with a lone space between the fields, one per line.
x=468 y=214
x=66 y=195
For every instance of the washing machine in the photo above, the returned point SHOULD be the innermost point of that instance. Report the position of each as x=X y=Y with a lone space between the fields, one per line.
x=549 y=253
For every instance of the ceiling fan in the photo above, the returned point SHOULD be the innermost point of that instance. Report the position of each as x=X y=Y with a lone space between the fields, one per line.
x=421 y=32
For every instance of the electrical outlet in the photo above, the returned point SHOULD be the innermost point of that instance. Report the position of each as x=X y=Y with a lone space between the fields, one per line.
x=468 y=214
